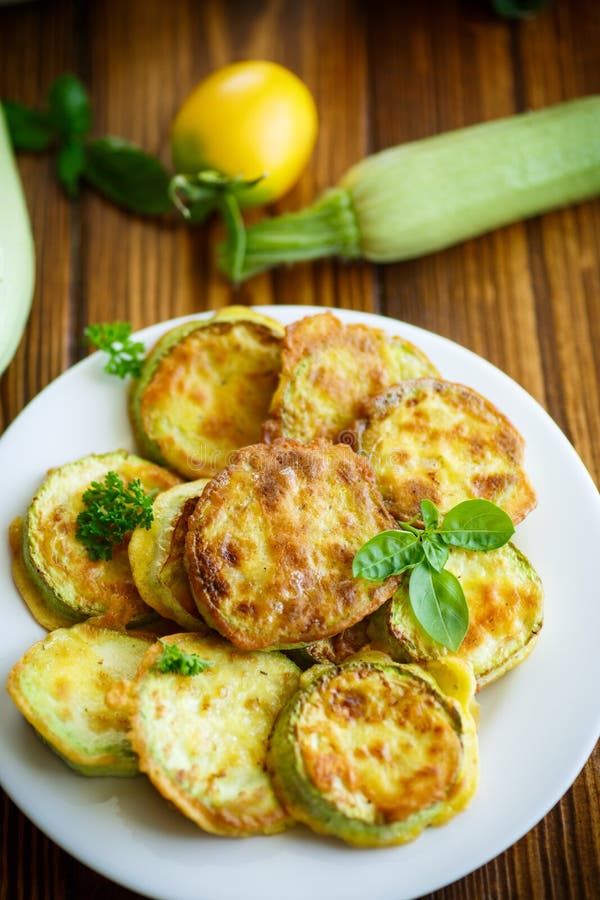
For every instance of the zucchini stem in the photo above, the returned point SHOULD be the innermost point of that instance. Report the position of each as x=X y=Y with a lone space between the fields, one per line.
x=328 y=228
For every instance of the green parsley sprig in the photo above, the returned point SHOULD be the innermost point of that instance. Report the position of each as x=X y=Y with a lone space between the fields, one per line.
x=125 y=356
x=436 y=596
x=112 y=510
x=173 y=659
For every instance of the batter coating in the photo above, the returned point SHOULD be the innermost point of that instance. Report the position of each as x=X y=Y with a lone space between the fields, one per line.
x=70 y=584
x=436 y=440
x=372 y=751
x=505 y=599
x=270 y=544
x=205 y=390
x=202 y=739
x=329 y=369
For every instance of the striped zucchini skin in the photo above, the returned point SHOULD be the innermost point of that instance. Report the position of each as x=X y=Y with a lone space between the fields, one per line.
x=426 y=195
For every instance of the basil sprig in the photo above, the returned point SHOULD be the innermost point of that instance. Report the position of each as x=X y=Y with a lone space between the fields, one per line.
x=119 y=170
x=436 y=595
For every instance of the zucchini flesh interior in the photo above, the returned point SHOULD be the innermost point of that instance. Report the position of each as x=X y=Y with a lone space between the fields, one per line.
x=202 y=739
x=372 y=751
x=60 y=686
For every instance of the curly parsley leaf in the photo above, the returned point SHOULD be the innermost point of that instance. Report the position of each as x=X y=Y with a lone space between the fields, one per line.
x=125 y=356
x=112 y=510
x=173 y=659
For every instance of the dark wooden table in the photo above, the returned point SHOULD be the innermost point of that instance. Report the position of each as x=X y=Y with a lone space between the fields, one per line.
x=527 y=297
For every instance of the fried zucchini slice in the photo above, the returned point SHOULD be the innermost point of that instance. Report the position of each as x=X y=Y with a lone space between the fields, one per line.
x=334 y=649
x=372 y=751
x=329 y=369
x=505 y=599
x=270 y=544
x=70 y=585
x=60 y=686
x=156 y=556
x=202 y=739
x=436 y=440
x=205 y=390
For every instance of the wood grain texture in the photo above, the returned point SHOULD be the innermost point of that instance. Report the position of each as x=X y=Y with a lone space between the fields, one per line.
x=526 y=297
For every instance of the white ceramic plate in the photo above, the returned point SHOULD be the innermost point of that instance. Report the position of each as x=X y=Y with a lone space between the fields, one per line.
x=538 y=724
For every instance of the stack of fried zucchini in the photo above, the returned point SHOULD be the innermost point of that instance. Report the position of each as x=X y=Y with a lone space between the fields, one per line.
x=275 y=454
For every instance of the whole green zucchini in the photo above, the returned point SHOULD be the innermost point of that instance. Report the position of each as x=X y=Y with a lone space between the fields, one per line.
x=417 y=198
x=17 y=262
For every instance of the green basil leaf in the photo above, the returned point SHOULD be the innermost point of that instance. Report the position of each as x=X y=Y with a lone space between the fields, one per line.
x=29 y=129
x=70 y=163
x=430 y=513
x=439 y=605
x=477 y=525
x=436 y=553
x=70 y=108
x=128 y=176
x=388 y=553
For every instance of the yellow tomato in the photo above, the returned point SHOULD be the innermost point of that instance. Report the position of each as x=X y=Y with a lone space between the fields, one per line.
x=248 y=119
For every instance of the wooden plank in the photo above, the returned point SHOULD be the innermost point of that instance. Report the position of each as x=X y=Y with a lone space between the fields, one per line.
x=448 y=67
x=526 y=297
x=137 y=270
x=558 y=60
x=37 y=43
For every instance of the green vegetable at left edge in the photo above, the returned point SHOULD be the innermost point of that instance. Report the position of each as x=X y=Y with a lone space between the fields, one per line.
x=17 y=258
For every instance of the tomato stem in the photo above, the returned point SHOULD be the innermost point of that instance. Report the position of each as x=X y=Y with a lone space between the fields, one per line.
x=236 y=230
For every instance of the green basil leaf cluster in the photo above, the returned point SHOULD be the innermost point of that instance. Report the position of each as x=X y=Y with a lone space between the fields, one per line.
x=119 y=170
x=436 y=596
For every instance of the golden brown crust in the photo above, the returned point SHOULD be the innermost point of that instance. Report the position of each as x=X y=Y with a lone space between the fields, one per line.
x=505 y=599
x=410 y=761
x=211 y=765
x=328 y=369
x=270 y=544
x=436 y=440
x=210 y=394
x=73 y=585
x=157 y=554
